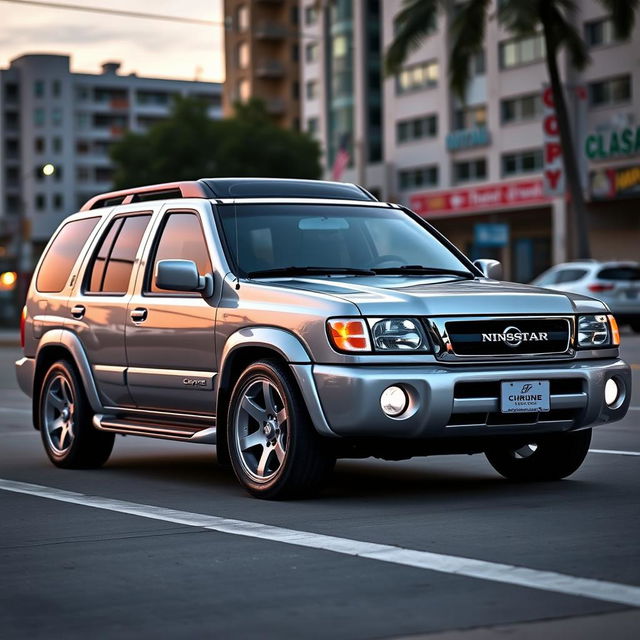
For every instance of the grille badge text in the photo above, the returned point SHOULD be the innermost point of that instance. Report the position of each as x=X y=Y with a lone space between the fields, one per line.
x=513 y=337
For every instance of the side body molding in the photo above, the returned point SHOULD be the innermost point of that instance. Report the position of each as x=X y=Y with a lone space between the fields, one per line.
x=68 y=340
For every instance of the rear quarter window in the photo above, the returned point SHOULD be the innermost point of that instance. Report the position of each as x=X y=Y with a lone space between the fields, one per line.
x=570 y=275
x=62 y=254
x=620 y=273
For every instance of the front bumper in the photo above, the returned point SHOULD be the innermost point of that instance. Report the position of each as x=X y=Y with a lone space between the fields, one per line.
x=345 y=400
x=25 y=369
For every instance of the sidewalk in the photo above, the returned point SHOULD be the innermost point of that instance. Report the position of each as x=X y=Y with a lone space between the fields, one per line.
x=9 y=337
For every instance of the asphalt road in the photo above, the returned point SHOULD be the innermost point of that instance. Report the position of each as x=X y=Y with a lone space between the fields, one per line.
x=102 y=562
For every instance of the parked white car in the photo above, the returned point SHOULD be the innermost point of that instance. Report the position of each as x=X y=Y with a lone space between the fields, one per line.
x=616 y=283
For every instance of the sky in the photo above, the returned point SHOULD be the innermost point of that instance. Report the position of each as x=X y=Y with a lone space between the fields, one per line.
x=146 y=47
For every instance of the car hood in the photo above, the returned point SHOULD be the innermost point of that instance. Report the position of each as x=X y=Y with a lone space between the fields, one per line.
x=438 y=296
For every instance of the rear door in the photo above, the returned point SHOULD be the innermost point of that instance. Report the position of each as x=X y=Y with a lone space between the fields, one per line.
x=170 y=334
x=98 y=304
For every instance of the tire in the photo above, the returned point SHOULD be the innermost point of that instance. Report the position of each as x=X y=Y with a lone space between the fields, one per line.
x=274 y=450
x=69 y=437
x=550 y=457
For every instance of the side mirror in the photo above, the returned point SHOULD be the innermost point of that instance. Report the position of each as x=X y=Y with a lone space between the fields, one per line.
x=182 y=275
x=490 y=268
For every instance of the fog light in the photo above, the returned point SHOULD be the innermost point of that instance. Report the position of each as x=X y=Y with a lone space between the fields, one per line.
x=394 y=401
x=611 y=392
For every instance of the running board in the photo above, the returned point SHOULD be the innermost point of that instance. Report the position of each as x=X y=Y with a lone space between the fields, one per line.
x=155 y=429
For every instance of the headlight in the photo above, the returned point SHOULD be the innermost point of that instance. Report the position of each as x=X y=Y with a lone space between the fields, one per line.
x=398 y=334
x=597 y=331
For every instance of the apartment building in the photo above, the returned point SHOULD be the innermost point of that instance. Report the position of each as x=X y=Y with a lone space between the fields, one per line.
x=476 y=169
x=50 y=115
x=262 y=52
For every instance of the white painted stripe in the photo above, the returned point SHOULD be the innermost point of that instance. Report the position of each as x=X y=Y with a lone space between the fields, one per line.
x=468 y=567
x=20 y=411
x=634 y=408
x=615 y=453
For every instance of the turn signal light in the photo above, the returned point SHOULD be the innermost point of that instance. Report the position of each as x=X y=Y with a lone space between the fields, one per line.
x=615 y=332
x=23 y=322
x=348 y=334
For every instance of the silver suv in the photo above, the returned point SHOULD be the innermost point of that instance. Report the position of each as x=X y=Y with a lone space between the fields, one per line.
x=295 y=322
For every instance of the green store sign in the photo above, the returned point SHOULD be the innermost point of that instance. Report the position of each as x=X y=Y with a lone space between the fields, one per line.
x=617 y=142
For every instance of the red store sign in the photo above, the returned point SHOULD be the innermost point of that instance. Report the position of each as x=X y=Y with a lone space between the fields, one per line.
x=482 y=198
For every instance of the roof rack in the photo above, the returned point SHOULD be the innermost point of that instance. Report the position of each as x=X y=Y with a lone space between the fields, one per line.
x=184 y=189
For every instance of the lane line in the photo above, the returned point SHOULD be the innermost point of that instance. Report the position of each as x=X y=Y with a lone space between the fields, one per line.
x=468 y=567
x=634 y=408
x=7 y=410
x=616 y=453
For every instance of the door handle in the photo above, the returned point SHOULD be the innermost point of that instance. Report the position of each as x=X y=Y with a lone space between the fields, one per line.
x=139 y=314
x=78 y=311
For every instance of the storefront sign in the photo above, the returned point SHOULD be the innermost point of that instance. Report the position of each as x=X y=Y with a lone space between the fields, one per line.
x=621 y=182
x=491 y=235
x=482 y=198
x=617 y=142
x=467 y=138
x=553 y=164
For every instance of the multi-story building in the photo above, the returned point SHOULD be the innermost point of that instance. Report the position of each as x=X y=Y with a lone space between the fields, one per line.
x=262 y=52
x=52 y=116
x=476 y=169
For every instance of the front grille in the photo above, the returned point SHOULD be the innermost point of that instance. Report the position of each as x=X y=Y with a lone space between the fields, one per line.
x=508 y=336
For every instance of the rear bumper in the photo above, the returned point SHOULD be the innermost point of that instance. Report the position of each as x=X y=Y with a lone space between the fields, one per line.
x=345 y=401
x=25 y=368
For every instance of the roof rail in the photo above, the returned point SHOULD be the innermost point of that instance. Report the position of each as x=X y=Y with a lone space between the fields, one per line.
x=184 y=189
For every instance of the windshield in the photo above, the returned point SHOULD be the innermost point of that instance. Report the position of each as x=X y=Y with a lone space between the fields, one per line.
x=281 y=236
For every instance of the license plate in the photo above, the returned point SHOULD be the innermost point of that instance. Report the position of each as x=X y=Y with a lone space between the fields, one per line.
x=524 y=396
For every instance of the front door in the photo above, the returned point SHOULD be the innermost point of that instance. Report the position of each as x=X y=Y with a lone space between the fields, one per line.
x=170 y=334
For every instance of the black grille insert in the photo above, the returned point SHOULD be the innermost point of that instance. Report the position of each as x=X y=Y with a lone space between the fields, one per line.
x=509 y=336
x=558 y=386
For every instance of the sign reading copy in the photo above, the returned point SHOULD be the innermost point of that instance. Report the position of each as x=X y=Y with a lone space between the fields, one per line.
x=553 y=166
x=503 y=195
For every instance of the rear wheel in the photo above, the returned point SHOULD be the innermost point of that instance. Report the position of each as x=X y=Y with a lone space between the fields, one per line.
x=550 y=457
x=69 y=437
x=274 y=449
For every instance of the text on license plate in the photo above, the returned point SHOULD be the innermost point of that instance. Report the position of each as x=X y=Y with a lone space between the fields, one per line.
x=524 y=396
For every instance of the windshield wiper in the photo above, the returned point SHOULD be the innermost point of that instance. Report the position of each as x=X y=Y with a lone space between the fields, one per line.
x=296 y=271
x=418 y=269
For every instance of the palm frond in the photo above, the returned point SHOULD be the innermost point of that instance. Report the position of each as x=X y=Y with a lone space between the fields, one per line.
x=414 y=24
x=623 y=13
x=467 y=31
x=521 y=18
x=566 y=35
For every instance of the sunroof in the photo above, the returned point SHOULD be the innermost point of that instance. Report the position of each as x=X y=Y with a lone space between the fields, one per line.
x=282 y=188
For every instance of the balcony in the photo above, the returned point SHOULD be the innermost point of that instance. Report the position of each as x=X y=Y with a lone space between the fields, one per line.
x=270 y=69
x=267 y=30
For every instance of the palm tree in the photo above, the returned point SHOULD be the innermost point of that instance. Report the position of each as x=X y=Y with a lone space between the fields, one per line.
x=522 y=18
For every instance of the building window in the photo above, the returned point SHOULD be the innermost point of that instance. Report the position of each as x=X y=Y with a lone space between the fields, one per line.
x=56 y=88
x=418 y=177
x=82 y=93
x=417 y=128
x=478 y=64
x=417 y=76
x=598 y=33
x=58 y=201
x=82 y=174
x=39 y=145
x=295 y=90
x=56 y=116
x=312 y=126
x=521 y=108
x=521 y=162
x=38 y=88
x=242 y=17
x=244 y=90
x=312 y=90
x=295 y=52
x=295 y=15
x=38 y=117
x=310 y=15
x=610 y=92
x=311 y=52
x=57 y=145
x=470 y=170
x=518 y=51
x=242 y=55
x=41 y=202
x=470 y=118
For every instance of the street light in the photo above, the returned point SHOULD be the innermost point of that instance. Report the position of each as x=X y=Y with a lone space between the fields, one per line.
x=48 y=169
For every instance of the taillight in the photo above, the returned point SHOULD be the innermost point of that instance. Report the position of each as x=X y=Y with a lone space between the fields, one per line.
x=598 y=288
x=23 y=322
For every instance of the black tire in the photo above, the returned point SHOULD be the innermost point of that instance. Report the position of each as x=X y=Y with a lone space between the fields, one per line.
x=274 y=450
x=550 y=457
x=65 y=417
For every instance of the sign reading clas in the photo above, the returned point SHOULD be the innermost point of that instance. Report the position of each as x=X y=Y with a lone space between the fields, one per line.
x=616 y=142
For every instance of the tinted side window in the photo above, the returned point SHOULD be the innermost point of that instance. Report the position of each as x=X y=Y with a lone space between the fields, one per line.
x=111 y=269
x=181 y=238
x=620 y=273
x=570 y=275
x=57 y=264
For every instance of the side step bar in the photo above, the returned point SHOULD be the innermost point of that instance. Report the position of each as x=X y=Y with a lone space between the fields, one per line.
x=156 y=429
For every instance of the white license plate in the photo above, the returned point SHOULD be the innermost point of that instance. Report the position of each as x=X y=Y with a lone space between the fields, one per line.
x=524 y=396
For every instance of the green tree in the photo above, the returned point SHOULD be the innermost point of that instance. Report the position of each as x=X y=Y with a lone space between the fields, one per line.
x=189 y=145
x=521 y=18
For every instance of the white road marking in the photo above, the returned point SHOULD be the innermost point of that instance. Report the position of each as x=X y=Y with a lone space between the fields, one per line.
x=8 y=410
x=616 y=453
x=634 y=408
x=468 y=567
